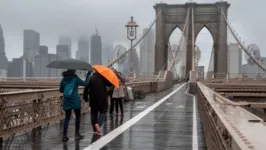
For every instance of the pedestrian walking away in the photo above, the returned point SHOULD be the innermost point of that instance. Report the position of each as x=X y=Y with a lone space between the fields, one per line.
x=119 y=94
x=97 y=95
x=71 y=101
x=110 y=93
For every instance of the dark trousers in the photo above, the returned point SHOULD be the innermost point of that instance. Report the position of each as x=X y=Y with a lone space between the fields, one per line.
x=67 y=118
x=118 y=101
x=111 y=105
x=97 y=117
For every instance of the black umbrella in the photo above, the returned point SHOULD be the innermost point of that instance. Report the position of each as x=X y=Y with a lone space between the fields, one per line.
x=70 y=64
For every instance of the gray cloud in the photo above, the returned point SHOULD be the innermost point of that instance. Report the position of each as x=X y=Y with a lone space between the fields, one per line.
x=75 y=17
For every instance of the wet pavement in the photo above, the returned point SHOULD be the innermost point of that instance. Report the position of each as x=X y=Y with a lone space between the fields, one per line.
x=166 y=127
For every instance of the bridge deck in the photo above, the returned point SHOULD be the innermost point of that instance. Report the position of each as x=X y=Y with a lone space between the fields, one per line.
x=165 y=120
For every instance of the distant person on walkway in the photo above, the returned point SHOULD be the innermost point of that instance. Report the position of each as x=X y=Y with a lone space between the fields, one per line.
x=119 y=94
x=110 y=93
x=98 y=99
x=71 y=101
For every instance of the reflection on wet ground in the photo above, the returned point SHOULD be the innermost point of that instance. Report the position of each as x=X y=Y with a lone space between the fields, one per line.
x=169 y=126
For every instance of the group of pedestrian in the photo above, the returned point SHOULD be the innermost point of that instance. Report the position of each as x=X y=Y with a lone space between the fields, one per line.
x=96 y=92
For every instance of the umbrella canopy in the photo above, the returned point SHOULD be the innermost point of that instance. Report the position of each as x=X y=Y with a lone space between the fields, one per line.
x=70 y=64
x=108 y=74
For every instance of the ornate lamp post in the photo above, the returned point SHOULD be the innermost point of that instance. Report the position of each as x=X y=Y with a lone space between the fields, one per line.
x=131 y=35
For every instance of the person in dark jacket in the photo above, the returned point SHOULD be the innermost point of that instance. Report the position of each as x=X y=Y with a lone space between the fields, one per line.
x=98 y=99
x=72 y=103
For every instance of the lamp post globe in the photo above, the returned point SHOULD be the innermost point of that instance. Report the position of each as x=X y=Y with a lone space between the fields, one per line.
x=131 y=35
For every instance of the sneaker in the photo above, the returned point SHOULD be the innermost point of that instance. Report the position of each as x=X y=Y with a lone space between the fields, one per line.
x=78 y=136
x=98 y=129
x=65 y=138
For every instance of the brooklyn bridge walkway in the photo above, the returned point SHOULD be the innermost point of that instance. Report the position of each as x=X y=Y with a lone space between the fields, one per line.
x=168 y=120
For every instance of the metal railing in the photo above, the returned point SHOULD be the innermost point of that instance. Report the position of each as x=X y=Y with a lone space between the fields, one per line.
x=226 y=124
x=232 y=77
x=25 y=110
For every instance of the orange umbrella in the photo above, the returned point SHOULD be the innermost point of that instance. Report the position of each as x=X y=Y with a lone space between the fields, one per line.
x=108 y=74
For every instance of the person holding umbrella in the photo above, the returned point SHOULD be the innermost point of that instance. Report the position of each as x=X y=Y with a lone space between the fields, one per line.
x=101 y=78
x=69 y=86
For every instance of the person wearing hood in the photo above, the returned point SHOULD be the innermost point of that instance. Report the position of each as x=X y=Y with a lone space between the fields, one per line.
x=71 y=103
x=97 y=95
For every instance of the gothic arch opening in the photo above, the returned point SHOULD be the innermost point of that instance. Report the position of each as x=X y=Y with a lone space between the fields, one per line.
x=204 y=46
x=173 y=46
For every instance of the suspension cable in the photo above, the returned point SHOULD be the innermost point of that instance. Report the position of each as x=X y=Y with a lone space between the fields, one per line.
x=211 y=60
x=126 y=52
x=184 y=28
x=242 y=46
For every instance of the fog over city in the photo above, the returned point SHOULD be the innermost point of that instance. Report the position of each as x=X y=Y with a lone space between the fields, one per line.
x=52 y=18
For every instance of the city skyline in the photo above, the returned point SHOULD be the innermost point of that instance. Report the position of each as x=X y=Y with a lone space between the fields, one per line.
x=73 y=26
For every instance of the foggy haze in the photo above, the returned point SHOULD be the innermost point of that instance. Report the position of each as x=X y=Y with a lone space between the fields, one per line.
x=52 y=18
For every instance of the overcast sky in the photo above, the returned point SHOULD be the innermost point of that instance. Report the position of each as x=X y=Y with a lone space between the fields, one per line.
x=76 y=17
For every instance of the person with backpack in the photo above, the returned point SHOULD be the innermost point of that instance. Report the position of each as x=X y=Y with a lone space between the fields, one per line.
x=97 y=95
x=71 y=100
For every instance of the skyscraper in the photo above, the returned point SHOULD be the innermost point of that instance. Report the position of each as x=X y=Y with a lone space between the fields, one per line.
x=20 y=67
x=136 y=64
x=43 y=59
x=147 y=52
x=66 y=40
x=31 y=44
x=83 y=48
x=62 y=51
x=107 y=53
x=40 y=63
x=234 y=59
x=3 y=59
x=96 y=49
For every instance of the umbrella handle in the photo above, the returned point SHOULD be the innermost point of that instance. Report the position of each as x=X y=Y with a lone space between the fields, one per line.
x=88 y=75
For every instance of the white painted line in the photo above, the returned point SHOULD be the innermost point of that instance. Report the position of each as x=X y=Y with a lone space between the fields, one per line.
x=112 y=135
x=195 y=145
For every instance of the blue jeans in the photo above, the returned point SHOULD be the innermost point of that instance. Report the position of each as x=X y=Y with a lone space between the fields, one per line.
x=67 y=118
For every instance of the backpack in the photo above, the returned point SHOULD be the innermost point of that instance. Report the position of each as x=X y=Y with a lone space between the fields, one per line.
x=68 y=90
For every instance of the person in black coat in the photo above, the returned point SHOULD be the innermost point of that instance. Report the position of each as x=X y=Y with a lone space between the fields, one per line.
x=98 y=99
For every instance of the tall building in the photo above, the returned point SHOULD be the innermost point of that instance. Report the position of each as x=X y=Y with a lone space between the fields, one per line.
x=107 y=53
x=66 y=40
x=54 y=72
x=43 y=59
x=31 y=44
x=200 y=70
x=136 y=64
x=96 y=49
x=234 y=60
x=3 y=59
x=147 y=52
x=83 y=48
x=40 y=63
x=116 y=52
x=62 y=51
x=252 y=70
x=20 y=67
x=255 y=52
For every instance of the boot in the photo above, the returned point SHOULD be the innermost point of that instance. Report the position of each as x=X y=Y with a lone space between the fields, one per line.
x=65 y=138
x=78 y=136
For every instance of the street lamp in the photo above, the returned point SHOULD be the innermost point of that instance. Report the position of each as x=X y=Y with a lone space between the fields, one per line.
x=131 y=35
